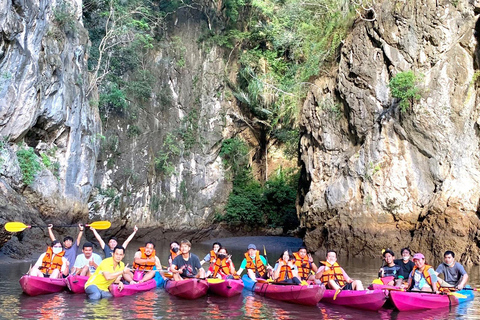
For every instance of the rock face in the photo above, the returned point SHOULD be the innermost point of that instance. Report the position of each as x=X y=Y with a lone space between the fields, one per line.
x=43 y=75
x=376 y=177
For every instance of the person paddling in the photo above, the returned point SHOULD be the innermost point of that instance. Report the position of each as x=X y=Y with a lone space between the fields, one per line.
x=51 y=264
x=112 y=242
x=109 y=271
x=187 y=264
x=453 y=272
x=334 y=277
x=256 y=265
x=306 y=266
x=423 y=276
x=390 y=269
x=70 y=246
x=285 y=269
x=86 y=262
x=145 y=261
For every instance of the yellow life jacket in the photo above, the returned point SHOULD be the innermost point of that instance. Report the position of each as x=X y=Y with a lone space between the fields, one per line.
x=147 y=265
x=334 y=273
x=257 y=265
x=49 y=264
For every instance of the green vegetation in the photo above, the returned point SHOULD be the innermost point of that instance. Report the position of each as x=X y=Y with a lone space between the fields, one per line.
x=404 y=86
x=29 y=164
x=164 y=159
x=252 y=204
x=64 y=16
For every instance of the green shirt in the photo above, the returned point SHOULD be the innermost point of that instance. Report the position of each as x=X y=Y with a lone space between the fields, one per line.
x=98 y=279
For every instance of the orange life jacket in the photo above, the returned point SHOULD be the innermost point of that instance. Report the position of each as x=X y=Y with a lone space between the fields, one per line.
x=173 y=254
x=426 y=275
x=334 y=273
x=223 y=267
x=285 y=272
x=257 y=265
x=303 y=265
x=213 y=256
x=49 y=264
x=147 y=265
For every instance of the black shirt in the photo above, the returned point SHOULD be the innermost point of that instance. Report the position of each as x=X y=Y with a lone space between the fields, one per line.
x=190 y=266
x=405 y=268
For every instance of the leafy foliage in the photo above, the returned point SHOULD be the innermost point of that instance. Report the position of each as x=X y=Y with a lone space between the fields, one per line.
x=29 y=164
x=404 y=87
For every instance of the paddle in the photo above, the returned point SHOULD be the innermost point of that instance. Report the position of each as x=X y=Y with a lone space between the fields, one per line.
x=19 y=226
x=265 y=254
x=455 y=294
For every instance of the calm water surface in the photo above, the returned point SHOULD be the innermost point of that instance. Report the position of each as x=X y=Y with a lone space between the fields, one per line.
x=157 y=304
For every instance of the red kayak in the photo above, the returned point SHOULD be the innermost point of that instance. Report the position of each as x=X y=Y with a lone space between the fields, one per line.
x=130 y=289
x=308 y=295
x=359 y=299
x=226 y=288
x=76 y=283
x=187 y=288
x=34 y=286
x=409 y=301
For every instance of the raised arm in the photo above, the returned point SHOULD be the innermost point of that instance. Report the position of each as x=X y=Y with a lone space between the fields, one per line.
x=125 y=244
x=80 y=233
x=50 y=232
x=99 y=239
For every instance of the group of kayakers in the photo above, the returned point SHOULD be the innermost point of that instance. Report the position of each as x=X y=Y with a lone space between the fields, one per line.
x=291 y=267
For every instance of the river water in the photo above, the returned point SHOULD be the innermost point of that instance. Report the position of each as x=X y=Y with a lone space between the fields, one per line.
x=157 y=304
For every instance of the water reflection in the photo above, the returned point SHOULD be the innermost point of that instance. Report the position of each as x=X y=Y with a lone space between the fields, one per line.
x=157 y=304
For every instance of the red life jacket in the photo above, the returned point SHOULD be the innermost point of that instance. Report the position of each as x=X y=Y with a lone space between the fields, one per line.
x=334 y=273
x=303 y=265
x=257 y=265
x=147 y=265
x=49 y=264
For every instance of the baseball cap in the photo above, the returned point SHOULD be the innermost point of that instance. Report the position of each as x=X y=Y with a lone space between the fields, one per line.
x=251 y=246
x=418 y=256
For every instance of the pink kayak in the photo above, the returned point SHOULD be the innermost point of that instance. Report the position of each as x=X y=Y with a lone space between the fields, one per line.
x=227 y=288
x=374 y=286
x=130 y=289
x=409 y=301
x=308 y=295
x=76 y=283
x=187 y=288
x=34 y=286
x=359 y=299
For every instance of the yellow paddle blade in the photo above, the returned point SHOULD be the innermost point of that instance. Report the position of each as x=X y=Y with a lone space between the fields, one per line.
x=215 y=280
x=456 y=294
x=15 y=226
x=100 y=225
x=336 y=294
x=377 y=281
x=168 y=275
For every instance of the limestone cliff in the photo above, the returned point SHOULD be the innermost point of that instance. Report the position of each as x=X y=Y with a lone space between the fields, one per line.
x=377 y=177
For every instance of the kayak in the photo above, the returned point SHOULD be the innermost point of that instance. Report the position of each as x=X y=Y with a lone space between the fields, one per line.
x=76 y=283
x=308 y=295
x=187 y=288
x=130 y=289
x=34 y=286
x=409 y=301
x=226 y=288
x=248 y=283
x=360 y=299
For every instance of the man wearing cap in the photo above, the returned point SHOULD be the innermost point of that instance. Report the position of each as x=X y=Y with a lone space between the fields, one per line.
x=423 y=276
x=256 y=265
x=453 y=272
x=112 y=242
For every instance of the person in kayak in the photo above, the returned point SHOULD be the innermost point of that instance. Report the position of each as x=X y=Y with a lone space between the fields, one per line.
x=51 y=264
x=174 y=248
x=223 y=267
x=390 y=269
x=406 y=265
x=211 y=257
x=186 y=264
x=109 y=271
x=71 y=247
x=453 y=272
x=87 y=262
x=112 y=242
x=285 y=269
x=422 y=277
x=306 y=266
x=256 y=265
x=145 y=261
x=334 y=277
